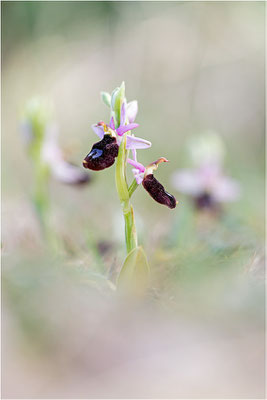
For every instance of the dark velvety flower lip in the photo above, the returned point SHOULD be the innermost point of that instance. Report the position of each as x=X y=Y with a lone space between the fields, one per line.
x=103 y=154
x=83 y=179
x=204 y=200
x=157 y=191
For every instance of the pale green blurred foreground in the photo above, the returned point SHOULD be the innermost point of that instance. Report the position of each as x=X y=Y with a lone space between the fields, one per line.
x=199 y=333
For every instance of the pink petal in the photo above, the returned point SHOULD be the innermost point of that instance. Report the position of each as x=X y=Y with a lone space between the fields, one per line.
x=99 y=130
x=137 y=143
x=131 y=111
x=187 y=181
x=68 y=173
x=111 y=124
x=134 y=154
x=122 y=129
x=226 y=189
x=139 y=176
x=136 y=164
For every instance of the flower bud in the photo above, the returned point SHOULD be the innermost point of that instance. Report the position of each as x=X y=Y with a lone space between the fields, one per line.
x=157 y=191
x=117 y=98
x=103 y=154
x=106 y=98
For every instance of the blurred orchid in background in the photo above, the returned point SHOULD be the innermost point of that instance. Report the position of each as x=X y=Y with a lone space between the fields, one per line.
x=41 y=139
x=206 y=183
x=53 y=156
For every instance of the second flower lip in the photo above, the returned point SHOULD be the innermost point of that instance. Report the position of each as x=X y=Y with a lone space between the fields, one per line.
x=145 y=176
x=103 y=154
x=158 y=192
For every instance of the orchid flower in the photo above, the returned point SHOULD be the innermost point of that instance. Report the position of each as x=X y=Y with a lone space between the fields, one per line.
x=116 y=141
x=104 y=153
x=145 y=176
x=97 y=158
x=53 y=157
x=40 y=138
x=205 y=183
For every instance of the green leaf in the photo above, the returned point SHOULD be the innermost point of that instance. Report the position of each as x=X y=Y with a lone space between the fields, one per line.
x=135 y=273
x=106 y=98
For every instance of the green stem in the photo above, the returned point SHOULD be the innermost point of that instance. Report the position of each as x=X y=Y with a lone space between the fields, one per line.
x=130 y=230
x=132 y=187
x=42 y=203
x=124 y=196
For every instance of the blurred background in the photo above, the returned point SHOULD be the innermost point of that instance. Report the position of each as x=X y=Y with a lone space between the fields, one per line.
x=193 y=67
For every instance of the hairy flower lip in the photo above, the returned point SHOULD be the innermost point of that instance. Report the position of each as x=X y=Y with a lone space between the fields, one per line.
x=102 y=154
x=205 y=201
x=157 y=191
x=145 y=176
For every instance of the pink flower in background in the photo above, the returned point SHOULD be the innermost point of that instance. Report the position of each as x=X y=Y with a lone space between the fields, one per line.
x=52 y=155
x=207 y=185
x=40 y=136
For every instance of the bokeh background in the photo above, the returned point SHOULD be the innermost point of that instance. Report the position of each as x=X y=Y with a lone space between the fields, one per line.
x=193 y=67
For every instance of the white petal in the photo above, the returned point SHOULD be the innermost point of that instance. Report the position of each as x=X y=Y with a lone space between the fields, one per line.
x=131 y=110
